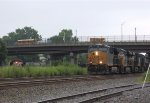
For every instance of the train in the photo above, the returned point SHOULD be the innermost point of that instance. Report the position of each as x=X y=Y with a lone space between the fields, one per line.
x=25 y=42
x=21 y=42
x=103 y=58
x=17 y=62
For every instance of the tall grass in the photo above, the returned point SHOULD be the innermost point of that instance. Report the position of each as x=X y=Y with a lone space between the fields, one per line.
x=147 y=79
x=142 y=78
x=32 y=71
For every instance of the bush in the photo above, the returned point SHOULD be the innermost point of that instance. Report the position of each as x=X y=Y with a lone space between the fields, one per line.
x=30 y=71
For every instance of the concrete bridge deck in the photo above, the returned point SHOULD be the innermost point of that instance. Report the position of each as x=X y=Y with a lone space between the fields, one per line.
x=78 y=47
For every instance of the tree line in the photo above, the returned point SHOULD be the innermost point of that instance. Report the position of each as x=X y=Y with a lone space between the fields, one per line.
x=64 y=35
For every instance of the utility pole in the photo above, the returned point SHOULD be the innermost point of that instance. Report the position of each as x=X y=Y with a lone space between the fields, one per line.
x=122 y=30
x=135 y=35
x=76 y=36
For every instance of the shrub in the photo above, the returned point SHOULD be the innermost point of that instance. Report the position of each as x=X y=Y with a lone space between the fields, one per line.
x=38 y=71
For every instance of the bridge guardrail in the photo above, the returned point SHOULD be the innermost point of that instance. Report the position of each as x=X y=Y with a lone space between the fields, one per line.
x=128 y=39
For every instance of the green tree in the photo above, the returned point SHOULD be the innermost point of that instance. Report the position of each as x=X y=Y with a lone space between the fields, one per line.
x=24 y=33
x=64 y=36
x=3 y=52
x=82 y=57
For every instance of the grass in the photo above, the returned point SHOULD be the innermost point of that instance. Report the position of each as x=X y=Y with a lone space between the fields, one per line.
x=141 y=80
x=32 y=71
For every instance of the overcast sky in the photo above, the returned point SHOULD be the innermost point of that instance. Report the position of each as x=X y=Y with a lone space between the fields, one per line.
x=88 y=17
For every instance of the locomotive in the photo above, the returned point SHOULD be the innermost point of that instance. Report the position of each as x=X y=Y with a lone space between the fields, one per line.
x=102 y=58
x=17 y=62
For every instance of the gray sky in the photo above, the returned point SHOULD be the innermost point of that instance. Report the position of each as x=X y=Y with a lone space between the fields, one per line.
x=88 y=17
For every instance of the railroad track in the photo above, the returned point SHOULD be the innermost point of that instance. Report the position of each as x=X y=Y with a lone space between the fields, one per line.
x=93 y=96
x=33 y=82
x=10 y=83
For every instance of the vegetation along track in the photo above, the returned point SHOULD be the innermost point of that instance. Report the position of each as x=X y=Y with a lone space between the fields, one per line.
x=10 y=83
x=93 y=96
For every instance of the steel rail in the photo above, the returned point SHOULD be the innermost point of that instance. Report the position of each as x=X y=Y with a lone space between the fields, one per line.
x=83 y=95
x=110 y=95
x=34 y=82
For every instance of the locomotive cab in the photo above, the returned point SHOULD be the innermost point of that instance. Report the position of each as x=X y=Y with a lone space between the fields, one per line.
x=97 y=58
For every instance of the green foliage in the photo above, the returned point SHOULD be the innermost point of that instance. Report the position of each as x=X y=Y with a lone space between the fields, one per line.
x=12 y=72
x=64 y=36
x=29 y=58
x=24 y=33
x=148 y=77
x=30 y=71
x=56 y=62
x=3 y=52
x=141 y=79
x=82 y=58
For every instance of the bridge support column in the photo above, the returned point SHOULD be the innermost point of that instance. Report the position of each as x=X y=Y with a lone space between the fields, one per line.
x=73 y=57
x=49 y=59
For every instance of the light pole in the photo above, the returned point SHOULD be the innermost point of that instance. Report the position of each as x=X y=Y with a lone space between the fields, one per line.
x=122 y=30
x=135 y=35
x=76 y=36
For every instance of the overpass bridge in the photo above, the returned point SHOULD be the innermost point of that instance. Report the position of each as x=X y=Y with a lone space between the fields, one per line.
x=74 y=47
x=140 y=43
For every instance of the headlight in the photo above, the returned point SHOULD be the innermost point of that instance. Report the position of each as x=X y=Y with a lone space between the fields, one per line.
x=100 y=62
x=96 y=53
x=16 y=62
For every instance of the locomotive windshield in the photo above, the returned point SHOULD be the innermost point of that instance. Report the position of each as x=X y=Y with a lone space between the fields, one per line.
x=98 y=47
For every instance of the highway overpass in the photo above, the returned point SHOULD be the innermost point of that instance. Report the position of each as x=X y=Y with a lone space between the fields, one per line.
x=82 y=47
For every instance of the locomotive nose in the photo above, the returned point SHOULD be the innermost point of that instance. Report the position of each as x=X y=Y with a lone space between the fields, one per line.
x=96 y=53
x=100 y=62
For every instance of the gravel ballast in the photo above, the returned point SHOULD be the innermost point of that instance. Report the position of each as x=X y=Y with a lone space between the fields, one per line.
x=134 y=96
x=44 y=92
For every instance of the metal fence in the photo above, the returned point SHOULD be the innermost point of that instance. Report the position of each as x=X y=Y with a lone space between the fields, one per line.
x=86 y=39
x=116 y=38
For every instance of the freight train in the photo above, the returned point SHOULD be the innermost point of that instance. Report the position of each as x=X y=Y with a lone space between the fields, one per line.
x=102 y=58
